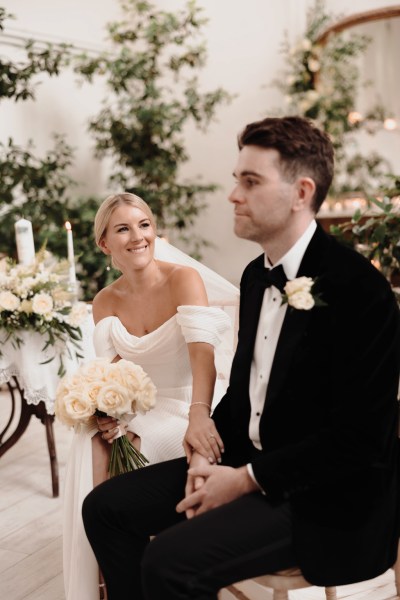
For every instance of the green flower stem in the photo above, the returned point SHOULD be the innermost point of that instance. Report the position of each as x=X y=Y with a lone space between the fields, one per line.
x=124 y=457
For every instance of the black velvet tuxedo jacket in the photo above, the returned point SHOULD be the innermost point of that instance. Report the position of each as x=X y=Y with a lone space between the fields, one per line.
x=329 y=424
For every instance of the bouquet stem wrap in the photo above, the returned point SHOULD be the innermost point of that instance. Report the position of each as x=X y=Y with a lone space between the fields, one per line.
x=124 y=456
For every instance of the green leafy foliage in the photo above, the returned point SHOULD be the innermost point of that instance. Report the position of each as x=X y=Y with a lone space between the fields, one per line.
x=17 y=78
x=39 y=189
x=33 y=187
x=320 y=82
x=376 y=233
x=154 y=93
x=151 y=71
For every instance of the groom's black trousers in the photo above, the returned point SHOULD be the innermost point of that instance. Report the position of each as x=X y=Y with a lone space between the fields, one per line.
x=187 y=558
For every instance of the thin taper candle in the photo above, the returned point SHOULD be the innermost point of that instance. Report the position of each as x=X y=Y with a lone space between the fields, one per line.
x=71 y=256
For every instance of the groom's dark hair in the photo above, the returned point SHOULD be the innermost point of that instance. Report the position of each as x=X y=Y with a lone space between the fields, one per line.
x=305 y=150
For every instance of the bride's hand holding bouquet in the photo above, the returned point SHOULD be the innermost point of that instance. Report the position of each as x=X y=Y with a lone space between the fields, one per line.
x=102 y=389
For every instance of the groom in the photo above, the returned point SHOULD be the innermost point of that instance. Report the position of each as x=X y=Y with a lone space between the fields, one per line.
x=309 y=422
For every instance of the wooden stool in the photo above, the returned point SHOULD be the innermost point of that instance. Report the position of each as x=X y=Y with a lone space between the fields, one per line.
x=281 y=582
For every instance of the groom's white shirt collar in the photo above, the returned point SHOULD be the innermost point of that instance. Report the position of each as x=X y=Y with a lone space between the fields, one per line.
x=292 y=259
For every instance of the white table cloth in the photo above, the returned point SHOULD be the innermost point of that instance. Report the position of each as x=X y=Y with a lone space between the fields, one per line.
x=39 y=381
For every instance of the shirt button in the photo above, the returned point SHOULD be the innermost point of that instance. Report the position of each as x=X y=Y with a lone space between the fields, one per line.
x=260 y=376
x=265 y=337
x=258 y=414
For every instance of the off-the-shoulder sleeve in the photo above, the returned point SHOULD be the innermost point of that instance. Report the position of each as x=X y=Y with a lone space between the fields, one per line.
x=203 y=324
x=102 y=341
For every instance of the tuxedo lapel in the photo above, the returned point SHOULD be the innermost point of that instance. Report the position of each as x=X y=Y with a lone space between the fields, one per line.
x=250 y=315
x=295 y=323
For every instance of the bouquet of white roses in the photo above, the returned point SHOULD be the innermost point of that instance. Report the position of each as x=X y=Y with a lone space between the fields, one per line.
x=101 y=388
x=37 y=297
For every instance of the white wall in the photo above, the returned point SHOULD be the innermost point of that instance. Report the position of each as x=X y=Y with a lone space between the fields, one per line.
x=244 y=40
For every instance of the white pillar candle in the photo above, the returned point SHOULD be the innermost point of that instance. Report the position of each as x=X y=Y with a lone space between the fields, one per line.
x=24 y=241
x=71 y=256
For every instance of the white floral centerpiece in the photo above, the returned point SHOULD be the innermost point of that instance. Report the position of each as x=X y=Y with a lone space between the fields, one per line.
x=101 y=388
x=38 y=297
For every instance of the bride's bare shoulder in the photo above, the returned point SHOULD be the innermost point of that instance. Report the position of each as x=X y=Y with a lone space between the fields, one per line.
x=177 y=271
x=104 y=302
x=185 y=283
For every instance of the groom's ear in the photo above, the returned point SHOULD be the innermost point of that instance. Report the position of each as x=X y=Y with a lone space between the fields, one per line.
x=305 y=193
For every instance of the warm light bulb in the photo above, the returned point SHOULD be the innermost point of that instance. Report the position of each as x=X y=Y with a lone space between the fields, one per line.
x=390 y=124
x=354 y=117
x=376 y=263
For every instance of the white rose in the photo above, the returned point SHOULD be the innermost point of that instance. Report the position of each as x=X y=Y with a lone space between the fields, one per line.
x=300 y=284
x=137 y=380
x=301 y=300
x=115 y=400
x=146 y=399
x=93 y=390
x=78 y=405
x=9 y=301
x=127 y=373
x=42 y=303
x=61 y=413
x=95 y=371
x=77 y=315
x=72 y=404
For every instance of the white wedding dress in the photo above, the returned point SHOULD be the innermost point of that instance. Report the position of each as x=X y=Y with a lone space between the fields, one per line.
x=163 y=354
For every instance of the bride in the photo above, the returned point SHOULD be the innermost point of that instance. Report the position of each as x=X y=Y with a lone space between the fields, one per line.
x=157 y=315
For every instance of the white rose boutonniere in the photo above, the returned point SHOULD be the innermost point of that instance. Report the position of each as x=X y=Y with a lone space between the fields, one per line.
x=298 y=294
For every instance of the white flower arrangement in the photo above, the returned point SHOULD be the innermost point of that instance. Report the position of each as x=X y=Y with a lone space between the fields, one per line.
x=298 y=294
x=101 y=388
x=38 y=298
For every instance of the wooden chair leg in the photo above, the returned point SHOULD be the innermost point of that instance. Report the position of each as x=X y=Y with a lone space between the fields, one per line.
x=330 y=593
x=397 y=575
x=280 y=595
x=236 y=593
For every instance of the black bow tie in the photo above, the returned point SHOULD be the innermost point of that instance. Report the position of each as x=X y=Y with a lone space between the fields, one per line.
x=275 y=276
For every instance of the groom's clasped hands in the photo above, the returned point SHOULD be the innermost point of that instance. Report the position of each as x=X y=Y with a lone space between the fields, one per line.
x=209 y=486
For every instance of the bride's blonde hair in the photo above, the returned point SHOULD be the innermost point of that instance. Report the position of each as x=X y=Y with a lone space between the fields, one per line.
x=107 y=207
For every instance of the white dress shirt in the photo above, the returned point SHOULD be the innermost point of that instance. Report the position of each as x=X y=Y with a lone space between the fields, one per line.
x=269 y=327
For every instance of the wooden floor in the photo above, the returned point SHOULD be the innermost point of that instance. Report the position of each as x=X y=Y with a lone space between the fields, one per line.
x=30 y=526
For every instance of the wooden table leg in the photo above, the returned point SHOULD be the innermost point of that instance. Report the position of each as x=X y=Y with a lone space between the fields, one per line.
x=48 y=421
x=39 y=410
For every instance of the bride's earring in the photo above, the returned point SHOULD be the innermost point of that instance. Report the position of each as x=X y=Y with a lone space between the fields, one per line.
x=108 y=267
